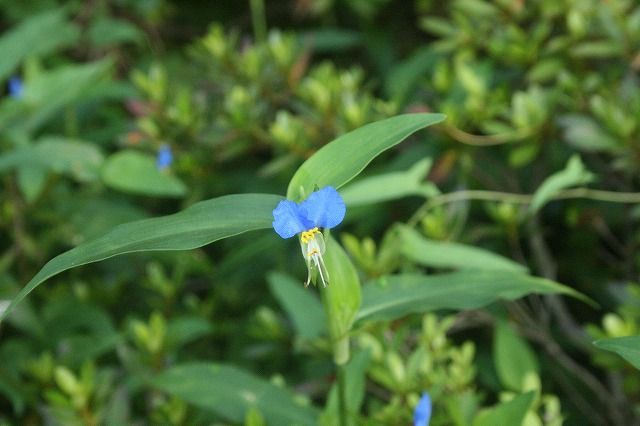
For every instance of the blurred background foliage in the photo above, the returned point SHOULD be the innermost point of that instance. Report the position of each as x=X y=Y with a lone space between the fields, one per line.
x=116 y=110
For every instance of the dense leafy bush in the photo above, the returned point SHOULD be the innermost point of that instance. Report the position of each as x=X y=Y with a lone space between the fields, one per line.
x=126 y=125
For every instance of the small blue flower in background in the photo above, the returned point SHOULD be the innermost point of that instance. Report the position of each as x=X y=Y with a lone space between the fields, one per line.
x=164 y=157
x=422 y=413
x=15 y=87
x=322 y=209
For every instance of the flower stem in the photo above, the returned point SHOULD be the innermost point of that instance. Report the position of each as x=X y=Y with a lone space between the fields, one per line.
x=258 y=20
x=342 y=396
x=586 y=193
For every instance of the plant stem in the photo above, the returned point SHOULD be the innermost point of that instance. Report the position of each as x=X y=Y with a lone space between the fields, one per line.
x=342 y=396
x=258 y=20
x=506 y=197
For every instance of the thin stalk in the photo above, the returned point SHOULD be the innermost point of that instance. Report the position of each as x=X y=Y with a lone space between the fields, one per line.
x=258 y=20
x=586 y=193
x=342 y=396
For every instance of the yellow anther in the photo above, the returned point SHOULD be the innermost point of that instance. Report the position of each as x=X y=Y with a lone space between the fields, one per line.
x=309 y=235
x=312 y=252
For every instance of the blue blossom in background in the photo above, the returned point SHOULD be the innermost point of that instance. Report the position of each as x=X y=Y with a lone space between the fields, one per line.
x=422 y=413
x=164 y=158
x=322 y=209
x=15 y=87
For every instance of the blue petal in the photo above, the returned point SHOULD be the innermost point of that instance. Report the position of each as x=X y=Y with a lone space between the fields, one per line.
x=324 y=208
x=15 y=87
x=164 y=157
x=422 y=413
x=287 y=220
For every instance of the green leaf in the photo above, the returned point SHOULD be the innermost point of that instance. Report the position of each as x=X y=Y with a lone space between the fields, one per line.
x=47 y=93
x=78 y=159
x=343 y=159
x=511 y=412
x=438 y=26
x=230 y=392
x=573 y=174
x=627 y=347
x=331 y=40
x=477 y=8
x=12 y=394
x=395 y=296
x=390 y=186
x=404 y=77
x=200 y=224
x=107 y=31
x=585 y=134
x=181 y=331
x=597 y=49
x=342 y=298
x=513 y=358
x=136 y=172
x=302 y=306
x=355 y=382
x=545 y=70
x=31 y=181
x=37 y=35
x=441 y=254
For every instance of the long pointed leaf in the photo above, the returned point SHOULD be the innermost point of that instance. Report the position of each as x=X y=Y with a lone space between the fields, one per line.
x=441 y=254
x=194 y=227
x=231 y=392
x=341 y=299
x=398 y=295
x=627 y=347
x=341 y=160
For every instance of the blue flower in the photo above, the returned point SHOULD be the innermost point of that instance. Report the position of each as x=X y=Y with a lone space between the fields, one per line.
x=164 y=158
x=323 y=209
x=422 y=413
x=15 y=87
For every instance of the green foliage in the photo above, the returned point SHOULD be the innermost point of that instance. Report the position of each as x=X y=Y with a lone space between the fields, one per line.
x=340 y=161
x=127 y=124
x=514 y=360
x=200 y=224
x=627 y=347
x=442 y=254
x=511 y=412
x=390 y=186
x=574 y=174
x=341 y=299
x=230 y=392
x=132 y=171
x=397 y=295
x=304 y=309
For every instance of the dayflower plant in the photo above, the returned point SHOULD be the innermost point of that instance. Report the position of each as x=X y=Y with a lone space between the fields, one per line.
x=422 y=412
x=164 y=158
x=15 y=87
x=323 y=209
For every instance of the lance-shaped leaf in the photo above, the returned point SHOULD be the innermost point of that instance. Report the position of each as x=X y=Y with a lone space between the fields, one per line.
x=194 y=227
x=341 y=298
x=573 y=174
x=441 y=254
x=38 y=35
x=136 y=172
x=302 y=306
x=343 y=159
x=230 y=392
x=511 y=412
x=513 y=358
x=398 y=295
x=627 y=347
x=391 y=186
x=77 y=158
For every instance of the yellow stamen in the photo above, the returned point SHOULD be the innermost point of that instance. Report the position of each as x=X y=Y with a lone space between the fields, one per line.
x=309 y=235
x=312 y=252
